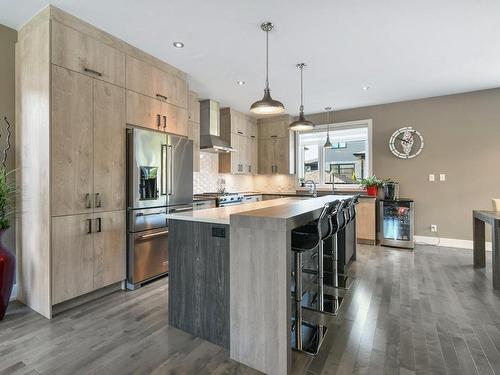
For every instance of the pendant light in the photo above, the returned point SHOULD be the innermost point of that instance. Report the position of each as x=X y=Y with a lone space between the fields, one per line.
x=301 y=123
x=328 y=144
x=267 y=105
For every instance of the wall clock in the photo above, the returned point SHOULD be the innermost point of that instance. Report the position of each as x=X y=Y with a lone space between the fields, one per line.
x=406 y=143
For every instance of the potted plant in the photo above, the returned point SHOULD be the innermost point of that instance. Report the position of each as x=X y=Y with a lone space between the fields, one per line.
x=302 y=182
x=371 y=185
x=7 y=202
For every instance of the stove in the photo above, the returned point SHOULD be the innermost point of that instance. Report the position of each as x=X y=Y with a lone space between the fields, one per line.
x=223 y=199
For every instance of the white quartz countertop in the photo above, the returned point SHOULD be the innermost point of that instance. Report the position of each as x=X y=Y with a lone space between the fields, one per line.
x=220 y=215
x=283 y=208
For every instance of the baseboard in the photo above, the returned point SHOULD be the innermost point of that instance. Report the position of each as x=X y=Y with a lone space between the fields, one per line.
x=13 y=295
x=448 y=242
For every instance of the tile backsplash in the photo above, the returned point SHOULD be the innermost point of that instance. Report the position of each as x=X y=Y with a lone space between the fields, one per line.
x=210 y=180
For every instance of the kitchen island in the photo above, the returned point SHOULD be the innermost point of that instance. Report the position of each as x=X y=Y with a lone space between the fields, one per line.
x=229 y=276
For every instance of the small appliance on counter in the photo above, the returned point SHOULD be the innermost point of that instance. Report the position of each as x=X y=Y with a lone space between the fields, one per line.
x=396 y=222
x=391 y=190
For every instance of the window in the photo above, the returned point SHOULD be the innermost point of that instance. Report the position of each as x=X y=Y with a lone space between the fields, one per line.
x=347 y=161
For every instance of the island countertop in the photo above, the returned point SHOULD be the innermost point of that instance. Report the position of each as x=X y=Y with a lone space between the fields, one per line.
x=283 y=208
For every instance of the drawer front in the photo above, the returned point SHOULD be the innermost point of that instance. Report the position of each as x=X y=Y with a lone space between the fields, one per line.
x=76 y=51
x=144 y=111
x=202 y=205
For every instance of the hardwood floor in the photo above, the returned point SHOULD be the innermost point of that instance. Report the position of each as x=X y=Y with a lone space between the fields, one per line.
x=421 y=312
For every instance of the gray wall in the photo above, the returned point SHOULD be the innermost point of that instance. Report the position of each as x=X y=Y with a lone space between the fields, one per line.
x=8 y=38
x=462 y=139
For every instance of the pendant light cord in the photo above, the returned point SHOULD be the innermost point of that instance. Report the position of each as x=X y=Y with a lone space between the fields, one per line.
x=301 y=89
x=267 y=59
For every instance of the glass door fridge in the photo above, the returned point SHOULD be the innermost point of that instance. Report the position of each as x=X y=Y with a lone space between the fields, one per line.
x=396 y=223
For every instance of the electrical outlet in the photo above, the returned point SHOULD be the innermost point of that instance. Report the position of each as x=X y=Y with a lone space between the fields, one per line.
x=432 y=178
x=442 y=177
x=434 y=228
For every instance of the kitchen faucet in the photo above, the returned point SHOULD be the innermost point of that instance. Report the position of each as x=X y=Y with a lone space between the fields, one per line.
x=313 y=190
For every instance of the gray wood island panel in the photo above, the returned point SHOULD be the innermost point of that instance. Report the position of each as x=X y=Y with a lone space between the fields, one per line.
x=199 y=269
x=246 y=275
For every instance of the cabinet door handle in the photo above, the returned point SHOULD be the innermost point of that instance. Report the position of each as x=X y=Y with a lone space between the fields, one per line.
x=97 y=200
x=89 y=226
x=164 y=122
x=252 y=136
x=274 y=136
x=92 y=71
x=88 y=201
x=98 y=224
x=160 y=96
x=158 y=120
x=239 y=132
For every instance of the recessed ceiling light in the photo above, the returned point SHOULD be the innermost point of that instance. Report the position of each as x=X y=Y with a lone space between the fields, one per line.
x=366 y=88
x=178 y=44
x=241 y=83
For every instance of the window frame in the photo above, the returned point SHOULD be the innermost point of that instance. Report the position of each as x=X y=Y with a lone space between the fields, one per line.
x=299 y=162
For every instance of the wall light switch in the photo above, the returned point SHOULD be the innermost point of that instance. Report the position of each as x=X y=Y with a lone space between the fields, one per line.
x=442 y=177
x=432 y=177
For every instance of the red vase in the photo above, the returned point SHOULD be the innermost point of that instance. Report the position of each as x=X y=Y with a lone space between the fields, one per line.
x=372 y=191
x=7 y=269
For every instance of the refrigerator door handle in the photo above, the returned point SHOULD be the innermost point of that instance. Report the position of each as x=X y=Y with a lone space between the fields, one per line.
x=171 y=170
x=163 y=170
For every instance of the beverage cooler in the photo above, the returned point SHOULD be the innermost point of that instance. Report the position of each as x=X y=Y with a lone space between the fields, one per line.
x=396 y=222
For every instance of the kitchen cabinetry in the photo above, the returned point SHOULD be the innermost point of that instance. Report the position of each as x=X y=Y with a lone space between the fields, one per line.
x=88 y=147
x=88 y=253
x=276 y=146
x=240 y=131
x=202 y=205
x=153 y=114
x=366 y=221
x=81 y=53
x=72 y=106
x=193 y=132
x=148 y=80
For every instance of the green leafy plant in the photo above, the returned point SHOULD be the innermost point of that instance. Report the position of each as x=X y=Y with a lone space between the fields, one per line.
x=7 y=197
x=371 y=181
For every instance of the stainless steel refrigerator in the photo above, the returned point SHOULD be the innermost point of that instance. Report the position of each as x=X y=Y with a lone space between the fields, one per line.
x=159 y=181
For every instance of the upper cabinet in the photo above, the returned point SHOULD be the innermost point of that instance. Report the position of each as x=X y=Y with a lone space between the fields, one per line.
x=147 y=79
x=193 y=132
x=150 y=113
x=240 y=131
x=276 y=146
x=193 y=107
x=81 y=53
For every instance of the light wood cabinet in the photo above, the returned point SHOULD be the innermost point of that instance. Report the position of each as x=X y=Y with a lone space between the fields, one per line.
x=148 y=80
x=71 y=151
x=153 y=114
x=72 y=257
x=88 y=144
x=81 y=53
x=193 y=107
x=274 y=156
x=274 y=127
x=276 y=153
x=240 y=131
x=88 y=253
x=109 y=147
x=143 y=111
x=72 y=107
x=109 y=248
x=194 y=135
x=366 y=223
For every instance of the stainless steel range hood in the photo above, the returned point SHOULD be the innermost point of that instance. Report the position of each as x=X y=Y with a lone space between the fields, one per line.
x=210 y=140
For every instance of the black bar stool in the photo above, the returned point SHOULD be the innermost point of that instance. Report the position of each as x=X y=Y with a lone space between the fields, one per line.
x=306 y=239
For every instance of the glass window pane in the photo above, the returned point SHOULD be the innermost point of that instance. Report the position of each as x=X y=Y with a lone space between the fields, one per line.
x=311 y=163
x=348 y=163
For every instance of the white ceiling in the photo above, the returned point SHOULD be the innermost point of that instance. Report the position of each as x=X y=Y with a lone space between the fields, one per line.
x=401 y=49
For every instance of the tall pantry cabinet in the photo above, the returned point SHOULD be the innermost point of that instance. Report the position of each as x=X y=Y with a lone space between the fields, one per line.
x=71 y=114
